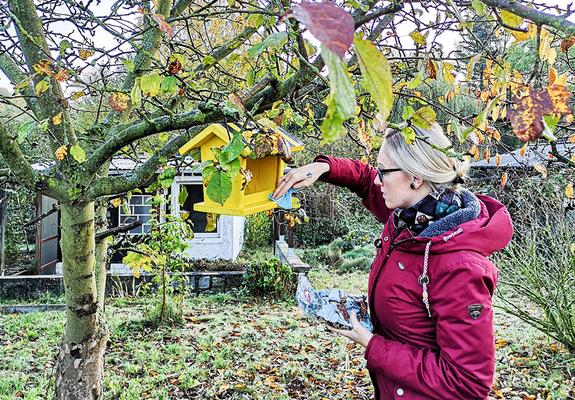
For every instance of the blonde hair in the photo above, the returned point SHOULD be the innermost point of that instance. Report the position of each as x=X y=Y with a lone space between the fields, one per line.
x=423 y=159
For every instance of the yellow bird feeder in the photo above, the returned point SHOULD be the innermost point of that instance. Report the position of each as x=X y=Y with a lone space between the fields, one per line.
x=266 y=172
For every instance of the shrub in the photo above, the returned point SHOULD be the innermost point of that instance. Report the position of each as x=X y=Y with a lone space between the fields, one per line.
x=258 y=230
x=269 y=277
x=539 y=265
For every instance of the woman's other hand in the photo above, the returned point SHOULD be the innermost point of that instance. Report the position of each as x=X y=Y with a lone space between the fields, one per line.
x=359 y=333
x=300 y=177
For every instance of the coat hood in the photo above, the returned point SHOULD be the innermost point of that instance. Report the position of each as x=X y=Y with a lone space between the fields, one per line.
x=482 y=225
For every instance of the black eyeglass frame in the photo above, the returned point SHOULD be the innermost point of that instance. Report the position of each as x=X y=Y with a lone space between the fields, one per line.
x=382 y=171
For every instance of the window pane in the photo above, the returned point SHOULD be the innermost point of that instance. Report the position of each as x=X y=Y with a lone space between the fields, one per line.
x=195 y=195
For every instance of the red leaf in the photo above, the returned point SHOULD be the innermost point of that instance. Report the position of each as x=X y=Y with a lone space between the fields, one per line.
x=330 y=24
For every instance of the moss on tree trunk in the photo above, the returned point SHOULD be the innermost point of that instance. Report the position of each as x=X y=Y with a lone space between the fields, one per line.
x=81 y=359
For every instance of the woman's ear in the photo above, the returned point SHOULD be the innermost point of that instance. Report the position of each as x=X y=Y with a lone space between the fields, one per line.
x=416 y=183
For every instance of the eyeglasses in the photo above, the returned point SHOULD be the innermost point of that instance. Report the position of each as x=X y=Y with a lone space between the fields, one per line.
x=382 y=171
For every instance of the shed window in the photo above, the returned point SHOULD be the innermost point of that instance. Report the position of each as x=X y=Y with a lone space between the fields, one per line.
x=140 y=207
x=195 y=195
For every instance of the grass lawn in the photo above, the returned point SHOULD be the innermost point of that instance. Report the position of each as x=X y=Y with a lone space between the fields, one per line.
x=235 y=347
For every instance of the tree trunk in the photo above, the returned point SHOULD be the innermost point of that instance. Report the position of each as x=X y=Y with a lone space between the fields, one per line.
x=101 y=224
x=81 y=360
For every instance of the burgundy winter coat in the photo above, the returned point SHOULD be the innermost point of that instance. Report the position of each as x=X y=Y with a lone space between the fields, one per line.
x=449 y=355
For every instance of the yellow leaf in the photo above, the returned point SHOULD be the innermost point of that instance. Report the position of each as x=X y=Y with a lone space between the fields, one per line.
x=541 y=169
x=447 y=74
x=61 y=152
x=569 y=118
x=86 y=53
x=497 y=160
x=41 y=87
x=211 y=223
x=523 y=150
x=57 y=119
x=510 y=19
x=116 y=202
x=572 y=248
x=418 y=38
x=569 y=191
x=504 y=180
x=572 y=139
x=364 y=160
x=77 y=95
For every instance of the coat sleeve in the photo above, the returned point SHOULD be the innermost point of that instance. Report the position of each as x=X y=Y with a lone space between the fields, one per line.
x=463 y=367
x=359 y=178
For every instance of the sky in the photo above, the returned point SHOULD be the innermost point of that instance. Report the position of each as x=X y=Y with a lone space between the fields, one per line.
x=449 y=41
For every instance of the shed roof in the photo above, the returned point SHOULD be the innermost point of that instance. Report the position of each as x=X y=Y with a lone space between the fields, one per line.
x=535 y=154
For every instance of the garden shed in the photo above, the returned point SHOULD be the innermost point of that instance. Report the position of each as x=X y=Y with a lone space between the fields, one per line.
x=224 y=242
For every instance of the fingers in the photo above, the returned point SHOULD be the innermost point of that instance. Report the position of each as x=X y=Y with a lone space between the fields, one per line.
x=296 y=179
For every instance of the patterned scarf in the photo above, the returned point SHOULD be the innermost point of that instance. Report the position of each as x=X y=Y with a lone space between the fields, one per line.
x=432 y=207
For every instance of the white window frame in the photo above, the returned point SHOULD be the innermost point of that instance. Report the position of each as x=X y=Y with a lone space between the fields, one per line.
x=175 y=209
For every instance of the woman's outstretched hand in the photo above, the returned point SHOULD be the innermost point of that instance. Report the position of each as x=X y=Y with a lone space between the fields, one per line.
x=300 y=177
x=358 y=334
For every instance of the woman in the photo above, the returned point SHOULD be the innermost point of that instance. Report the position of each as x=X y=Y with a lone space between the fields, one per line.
x=431 y=284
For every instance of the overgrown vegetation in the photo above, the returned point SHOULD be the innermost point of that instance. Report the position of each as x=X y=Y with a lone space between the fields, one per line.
x=238 y=347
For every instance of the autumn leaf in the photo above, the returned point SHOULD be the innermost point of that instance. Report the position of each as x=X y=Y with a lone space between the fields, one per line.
x=62 y=75
x=43 y=68
x=329 y=24
x=510 y=19
x=57 y=119
x=497 y=160
x=523 y=150
x=61 y=152
x=448 y=71
x=118 y=101
x=504 y=178
x=566 y=44
x=431 y=69
x=541 y=169
x=531 y=107
x=569 y=191
x=116 y=202
x=211 y=223
x=77 y=95
x=86 y=53
x=163 y=25
x=418 y=38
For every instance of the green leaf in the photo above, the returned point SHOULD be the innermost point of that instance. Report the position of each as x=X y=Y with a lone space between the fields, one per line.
x=233 y=167
x=418 y=38
x=341 y=99
x=24 y=130
x=183 y=195
x=275 y=41
x=457 y=131
x=170 y=85
x=42 y=87
x=407 y=113
x=479 y=7
x=196 y=154
x=43 y=125
x=377 y=78
x=129 y=64
x=423 y=117
x=136 y=93
x=417 y=79
x=551 y=122
x=126 y=208
x=64 y=45
x=209 y=60
x=251 y=78
x=233 y=149
x=23 y=83
x=150 y=84
x=408 y=134
x=78 y=153
x=208 y=172
x=219 y=187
